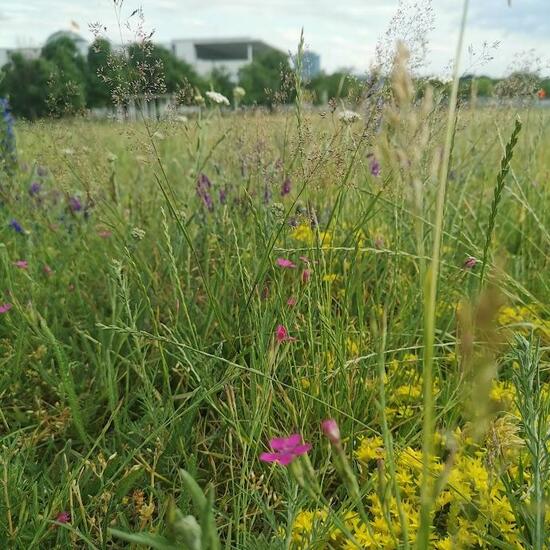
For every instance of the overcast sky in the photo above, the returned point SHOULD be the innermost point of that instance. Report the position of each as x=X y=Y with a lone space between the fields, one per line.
x=343 y=32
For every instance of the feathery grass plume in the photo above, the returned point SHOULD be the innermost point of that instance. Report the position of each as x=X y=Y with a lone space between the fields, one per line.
x=479 y=344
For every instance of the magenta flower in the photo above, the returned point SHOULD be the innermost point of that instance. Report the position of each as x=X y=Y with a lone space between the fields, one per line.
x=287 y=264
x=285 y=449
x=4 y=308
x=469 y=263
x=306 y=275
x=331 y=430
x=291 y=301
x=63 y=517
x=21 y=264
x=281 y=334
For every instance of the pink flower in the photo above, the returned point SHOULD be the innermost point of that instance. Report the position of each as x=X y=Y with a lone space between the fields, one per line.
x=104 y=234
x=285 y=449
x=305 y=259
x=291 y=301
x=331 y=430
x=282 y=334
x=287 y=264
x=4 y=308
x=22 y=264
x=306 y=275
x=469 y=263
x=63 y=517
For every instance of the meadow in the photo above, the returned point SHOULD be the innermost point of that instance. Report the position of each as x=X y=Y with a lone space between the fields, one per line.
x=176 y=294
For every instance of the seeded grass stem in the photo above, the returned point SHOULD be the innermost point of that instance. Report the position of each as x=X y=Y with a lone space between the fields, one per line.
x=430 y=299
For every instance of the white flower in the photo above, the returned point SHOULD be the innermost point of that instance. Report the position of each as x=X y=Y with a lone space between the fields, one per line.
x=349 y=117
x=218 y=98
x=138 y=233
x=238 y=92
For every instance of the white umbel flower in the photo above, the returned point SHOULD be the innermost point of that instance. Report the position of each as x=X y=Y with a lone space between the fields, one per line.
x=218 y=98
x=238 y=92
x=349 y=117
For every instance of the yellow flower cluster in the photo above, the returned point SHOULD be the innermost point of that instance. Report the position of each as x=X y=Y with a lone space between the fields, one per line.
x=472 y=509
x=305 y=234
x=524 y=319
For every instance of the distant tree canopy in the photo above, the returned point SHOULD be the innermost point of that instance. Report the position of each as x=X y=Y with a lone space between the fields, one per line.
x=64 y=82
x=264 y=78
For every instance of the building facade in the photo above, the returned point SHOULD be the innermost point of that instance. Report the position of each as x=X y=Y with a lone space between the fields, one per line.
x=230 y=53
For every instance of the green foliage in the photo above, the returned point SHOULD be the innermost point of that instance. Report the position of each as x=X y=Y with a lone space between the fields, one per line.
x=263 y=79
x=27 y=83
x=67 y=83
x=101 y=73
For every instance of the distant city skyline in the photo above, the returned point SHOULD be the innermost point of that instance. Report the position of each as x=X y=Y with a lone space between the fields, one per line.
x=344 y=34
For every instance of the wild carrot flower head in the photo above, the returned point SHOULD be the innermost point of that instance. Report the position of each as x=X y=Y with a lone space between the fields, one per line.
x=287 y=264
x=285 y=449
x=4 y=308
x=281 y=334
x=218 y=98
x=16 y=226
x=22 y=264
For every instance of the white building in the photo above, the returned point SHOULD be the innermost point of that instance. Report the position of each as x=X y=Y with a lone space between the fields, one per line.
x=207 y=54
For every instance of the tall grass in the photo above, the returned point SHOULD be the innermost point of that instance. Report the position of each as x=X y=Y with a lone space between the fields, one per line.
x=142 y=375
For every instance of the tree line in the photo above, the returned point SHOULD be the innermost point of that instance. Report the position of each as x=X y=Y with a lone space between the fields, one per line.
x=62 y=81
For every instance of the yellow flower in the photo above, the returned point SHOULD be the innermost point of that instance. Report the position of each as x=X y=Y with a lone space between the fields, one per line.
x=330 y=277
x=304 y=234
x=370 y=448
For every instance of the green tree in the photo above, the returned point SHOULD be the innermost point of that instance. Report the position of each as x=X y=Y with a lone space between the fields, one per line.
x=264 y=79
x=26 y=83
x=337 y=85
x=67 y=84
x=156 y=70
x=100 y=72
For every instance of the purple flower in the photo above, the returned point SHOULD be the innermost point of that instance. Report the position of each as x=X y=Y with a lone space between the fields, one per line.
x=203 y=191
x=374 y=166
x=285 y=189
x=16 y=226
x=4 y=308
x=75 y=204
x=34 y=188
x=285 y=449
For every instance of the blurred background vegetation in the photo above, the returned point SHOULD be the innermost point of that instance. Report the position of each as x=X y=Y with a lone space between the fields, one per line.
x=62 y=81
